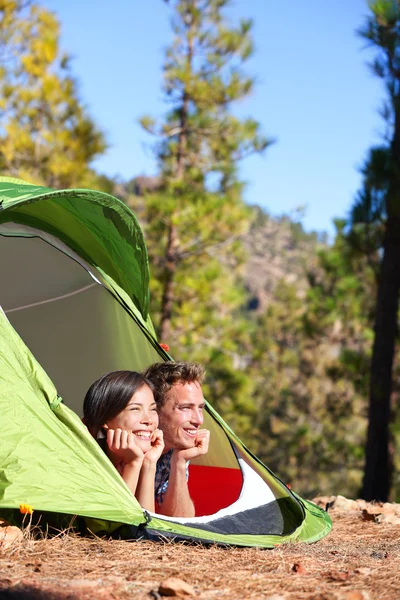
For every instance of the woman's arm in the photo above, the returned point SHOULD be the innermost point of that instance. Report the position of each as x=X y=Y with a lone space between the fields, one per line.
x=122 y=449
x=145 y=487
x=131 y=474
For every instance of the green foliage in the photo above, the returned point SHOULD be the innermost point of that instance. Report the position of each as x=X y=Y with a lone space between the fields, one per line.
x=46 y=135
x=368 y=213
x=310 y=363
x=195 y=219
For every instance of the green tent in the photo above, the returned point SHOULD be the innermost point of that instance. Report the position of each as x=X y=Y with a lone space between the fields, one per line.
x=75 y=304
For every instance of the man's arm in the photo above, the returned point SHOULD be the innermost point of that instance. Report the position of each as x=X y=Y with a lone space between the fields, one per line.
x=177 y=501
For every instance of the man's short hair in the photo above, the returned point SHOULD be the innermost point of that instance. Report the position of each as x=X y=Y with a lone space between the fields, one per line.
x=164 y=375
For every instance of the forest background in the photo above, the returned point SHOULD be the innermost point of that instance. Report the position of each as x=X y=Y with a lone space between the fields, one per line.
x=285 y=320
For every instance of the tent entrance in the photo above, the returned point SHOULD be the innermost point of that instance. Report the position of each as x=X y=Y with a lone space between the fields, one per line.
x=70 y=321
x=78 y=331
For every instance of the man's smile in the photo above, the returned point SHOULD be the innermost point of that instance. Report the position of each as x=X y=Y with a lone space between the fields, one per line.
x=190 y=431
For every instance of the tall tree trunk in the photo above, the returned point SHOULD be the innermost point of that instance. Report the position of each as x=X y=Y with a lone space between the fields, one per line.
x=378 y=461
x=378 y=468
x=171 y=252
x=167 y=301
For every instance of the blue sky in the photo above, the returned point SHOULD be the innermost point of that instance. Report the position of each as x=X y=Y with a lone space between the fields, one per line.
x=314 y=94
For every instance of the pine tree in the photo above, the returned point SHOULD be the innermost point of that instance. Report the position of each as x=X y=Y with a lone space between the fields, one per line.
x=380 y=205
x=197 y=216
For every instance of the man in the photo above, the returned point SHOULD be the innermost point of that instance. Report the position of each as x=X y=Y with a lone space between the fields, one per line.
x=180 y=404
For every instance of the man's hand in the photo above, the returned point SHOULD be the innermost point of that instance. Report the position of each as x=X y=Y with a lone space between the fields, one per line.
x=157 y=447
x=200 y=447
x=123 y=444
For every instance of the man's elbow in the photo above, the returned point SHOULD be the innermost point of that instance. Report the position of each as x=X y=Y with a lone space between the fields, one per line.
x=185 y=512
x=189 y=512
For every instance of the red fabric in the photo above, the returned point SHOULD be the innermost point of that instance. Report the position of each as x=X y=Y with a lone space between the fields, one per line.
x=213 y=488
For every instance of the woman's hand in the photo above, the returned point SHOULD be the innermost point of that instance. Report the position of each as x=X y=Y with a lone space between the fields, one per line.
x=123 y=444
x=157 y=447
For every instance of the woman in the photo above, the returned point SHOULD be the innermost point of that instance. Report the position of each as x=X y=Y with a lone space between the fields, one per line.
x=120 y=412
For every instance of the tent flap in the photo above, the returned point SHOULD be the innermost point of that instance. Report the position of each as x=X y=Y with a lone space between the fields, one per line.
x=100 y=228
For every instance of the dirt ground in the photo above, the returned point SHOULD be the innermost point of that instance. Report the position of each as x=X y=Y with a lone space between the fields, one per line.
x=359 y=560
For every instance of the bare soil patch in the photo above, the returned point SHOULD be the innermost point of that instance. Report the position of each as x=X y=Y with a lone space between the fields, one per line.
x=359 y=560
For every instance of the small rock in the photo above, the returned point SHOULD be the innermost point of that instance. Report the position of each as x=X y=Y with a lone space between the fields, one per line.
x=342 y=503
x=4 y=523
x=354 y=595
x=324 y=501
x=9 y=535
x=363 y=571
x=298 y=568
x=173 y=586
x=391 y=508
x=375 y=509
x=366 y=516
x=393 y=519
x=84 y=584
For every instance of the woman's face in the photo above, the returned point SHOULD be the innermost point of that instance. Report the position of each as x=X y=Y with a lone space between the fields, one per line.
x=139 y=416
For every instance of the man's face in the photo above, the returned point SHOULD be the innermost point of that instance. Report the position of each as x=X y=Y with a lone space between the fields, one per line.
x=182 y=415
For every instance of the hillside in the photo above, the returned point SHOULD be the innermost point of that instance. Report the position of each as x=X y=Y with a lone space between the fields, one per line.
x=278 y=249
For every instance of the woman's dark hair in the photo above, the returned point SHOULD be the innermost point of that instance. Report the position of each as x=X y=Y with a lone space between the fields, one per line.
x=109 y=395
